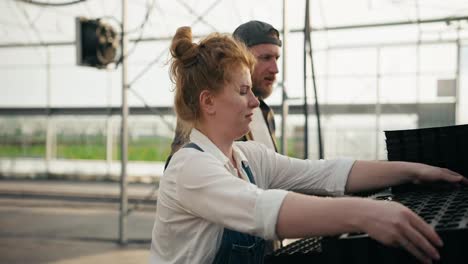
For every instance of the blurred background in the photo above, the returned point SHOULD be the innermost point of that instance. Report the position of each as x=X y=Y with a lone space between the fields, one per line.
x=378 y=65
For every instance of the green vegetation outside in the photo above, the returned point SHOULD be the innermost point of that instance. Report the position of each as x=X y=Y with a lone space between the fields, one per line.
x=94 y=148
x=145 y=149
x=15 y=151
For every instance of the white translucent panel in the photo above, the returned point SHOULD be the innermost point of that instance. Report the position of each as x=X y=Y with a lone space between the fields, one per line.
x=464 y=58
x=154 y=87
x=295 y=65
x=147 y=52
x=353 y=136
x=23 y=87
x=372 y=35
x=63 y=55
x=395 y=89
x=22 y=57
x=337 y=12
x=394 y=60
x=80 y=86
x=322 y=60
x=349 y=90
x=352 y=62
x=438 y=58
x=356 y=136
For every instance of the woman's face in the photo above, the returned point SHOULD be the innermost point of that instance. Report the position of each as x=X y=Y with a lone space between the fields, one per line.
x=235 y=104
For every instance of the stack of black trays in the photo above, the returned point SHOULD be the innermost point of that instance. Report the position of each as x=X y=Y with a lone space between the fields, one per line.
x=444 y=207
x=445 y=147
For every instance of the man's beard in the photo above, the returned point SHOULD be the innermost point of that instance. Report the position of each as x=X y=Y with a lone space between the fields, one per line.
x=262 y=92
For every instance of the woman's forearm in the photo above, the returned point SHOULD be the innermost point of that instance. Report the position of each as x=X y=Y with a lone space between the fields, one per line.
x=304 y=216
x=367 y=175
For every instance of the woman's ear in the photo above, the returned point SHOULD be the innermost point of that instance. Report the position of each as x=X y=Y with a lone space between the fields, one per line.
x=207 y=102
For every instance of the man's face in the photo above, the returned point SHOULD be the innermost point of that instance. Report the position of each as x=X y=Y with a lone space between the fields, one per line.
x=265 y=71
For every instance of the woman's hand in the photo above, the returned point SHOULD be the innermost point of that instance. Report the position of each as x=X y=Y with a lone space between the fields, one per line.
x=395 y=225
x=426 y=173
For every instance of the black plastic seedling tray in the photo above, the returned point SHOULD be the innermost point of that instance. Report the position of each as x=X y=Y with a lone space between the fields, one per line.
x=442 y=206
x=439 y=146
x=445 y=209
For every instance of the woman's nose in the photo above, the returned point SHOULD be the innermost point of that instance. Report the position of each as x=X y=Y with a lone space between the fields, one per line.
x=253 y=101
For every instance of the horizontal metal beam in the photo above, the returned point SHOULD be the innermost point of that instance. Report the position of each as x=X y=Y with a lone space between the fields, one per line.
x=326 y=109
x=388 y=24
x=300 y=30
x=389 y=45
x=85 y=111
x=37 y=44
x=72 y=43
x=354 y=109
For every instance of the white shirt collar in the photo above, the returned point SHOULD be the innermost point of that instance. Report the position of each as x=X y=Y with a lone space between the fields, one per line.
x=207 y=145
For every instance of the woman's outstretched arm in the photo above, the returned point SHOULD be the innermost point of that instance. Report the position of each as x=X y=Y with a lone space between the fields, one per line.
x=368 y=175
x=388 y=222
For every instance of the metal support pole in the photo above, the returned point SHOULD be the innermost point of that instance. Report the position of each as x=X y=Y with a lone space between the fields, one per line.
x=124 y=133
x=458 y=105
x=284 y=99
x=109 y=128
x=378 y=107
x=306 y=105
x=50 y=131
x=308 y=47
x=49 y=125
x=109 y=144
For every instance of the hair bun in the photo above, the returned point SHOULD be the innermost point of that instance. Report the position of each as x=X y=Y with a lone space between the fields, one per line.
x=182 y=47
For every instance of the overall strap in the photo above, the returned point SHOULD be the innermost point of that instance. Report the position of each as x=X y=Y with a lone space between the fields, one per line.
x=247 y=170
x=188 y=145
x=193 y=145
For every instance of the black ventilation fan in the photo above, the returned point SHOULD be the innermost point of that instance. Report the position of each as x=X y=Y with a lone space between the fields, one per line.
x=96 y=43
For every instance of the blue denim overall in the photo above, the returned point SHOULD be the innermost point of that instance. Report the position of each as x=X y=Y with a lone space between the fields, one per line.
x=237 y=247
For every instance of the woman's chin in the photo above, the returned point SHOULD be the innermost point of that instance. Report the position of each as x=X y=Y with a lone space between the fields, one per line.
x=240 y=135
x=244 y=132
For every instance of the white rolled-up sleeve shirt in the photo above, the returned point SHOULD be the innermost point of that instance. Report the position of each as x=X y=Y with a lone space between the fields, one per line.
x=201 y=193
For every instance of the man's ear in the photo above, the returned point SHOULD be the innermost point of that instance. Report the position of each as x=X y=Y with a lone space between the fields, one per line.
x=207 y=102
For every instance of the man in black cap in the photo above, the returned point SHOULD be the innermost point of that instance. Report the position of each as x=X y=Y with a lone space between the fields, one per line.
x=263 y=41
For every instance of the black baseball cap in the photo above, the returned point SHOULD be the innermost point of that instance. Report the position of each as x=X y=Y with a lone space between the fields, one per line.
x=257 y=32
